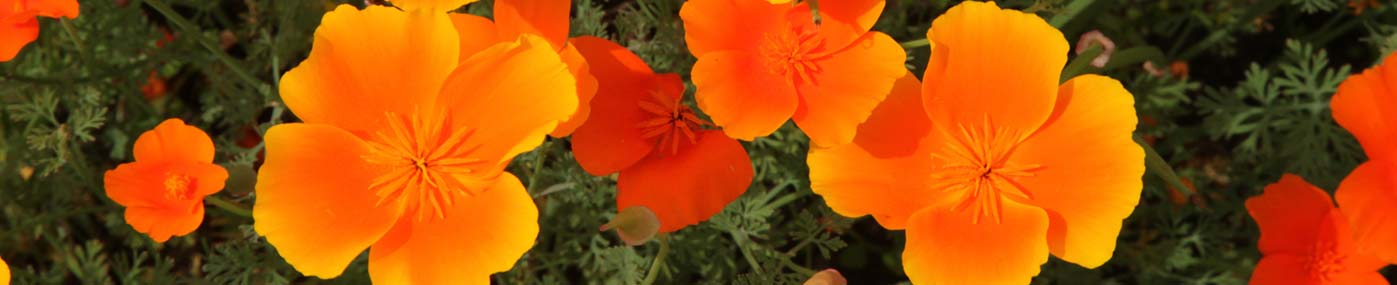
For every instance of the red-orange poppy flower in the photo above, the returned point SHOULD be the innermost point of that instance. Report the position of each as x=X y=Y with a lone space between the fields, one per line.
x=403 y=148
x=163 y=190
x=19 y=22
x=760 y=63
x=544 y=18
x=668 y=161
x=1305 y=240
x=1366 y=105
x=972 y=163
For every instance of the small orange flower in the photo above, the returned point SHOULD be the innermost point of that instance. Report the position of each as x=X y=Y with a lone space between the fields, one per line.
x=1366 y=105
x=403 y=148
x=163 y=190
x=973 y=165
x=544 y=18
x=19 y=23
x=668 y=161
x=760 y=63
x=1305 y=240
x=154 y=87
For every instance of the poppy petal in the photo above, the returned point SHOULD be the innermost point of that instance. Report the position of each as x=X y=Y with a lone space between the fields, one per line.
x=361 y=66
x=850 y=85
x=13 y=38
x=737 y=92
x=431 y=5
x=511 y=95
x=944 y=246
x=689 y=186
x=544 y=18
x=313 y=199
x=476 y=33
x=899 y=116
x=1365 y=104
x=1086 y=194
x=1334 y=231
x=54 y=8
x=4 y=272
x=722 y=25
x=1366 y=197
x=966 y=80
x=610 y=140
x=173 y=141
x=1281 y=269
x=884 y=172
x=480 y=235
x=586 y=90
x=1288 y=213
x=843 y=22
x=161 y=224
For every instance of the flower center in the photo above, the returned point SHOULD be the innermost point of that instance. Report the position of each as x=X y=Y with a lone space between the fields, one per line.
x=179 y=186
x=792 y=52
x=1324 y=261
x=976 y=167
x=426 y=165
x=670 y=122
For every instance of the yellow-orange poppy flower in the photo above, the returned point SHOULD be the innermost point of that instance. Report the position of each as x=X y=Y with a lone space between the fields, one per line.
x=544 y=18
x=164 y=189
x=761 y=63
x=432 y=5
x=1305 y=240
x=4 y=272
x=1366 y=105
x=980 y=165
x=403 y=148
x=19 y=22
x=668 y=161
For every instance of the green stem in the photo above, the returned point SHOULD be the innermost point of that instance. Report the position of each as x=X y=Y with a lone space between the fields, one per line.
x=916 y=44
x=72 y=32
x=796 y=267
x=1160 y=167
x=659 y=260
x=1219 y=35
x=746 y=253
x=228 y=206
x=192 y=31
x=538 y=166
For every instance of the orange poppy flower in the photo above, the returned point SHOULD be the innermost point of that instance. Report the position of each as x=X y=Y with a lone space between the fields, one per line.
x=1305 y=240
x=972 y=163
x=403 y=148
x=1366 y=105
x=432 y=5
x=760 y=63
x=544 y=18
x=19 y=22
x=668 y=162
x=164 y=189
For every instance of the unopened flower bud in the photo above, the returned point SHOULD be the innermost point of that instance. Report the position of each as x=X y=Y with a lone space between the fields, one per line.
x=635 y=225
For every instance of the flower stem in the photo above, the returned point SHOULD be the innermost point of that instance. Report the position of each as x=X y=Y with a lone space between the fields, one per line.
x=1160 y=167
x=190 y=30
x=72 y=32
x=228 y=206
x=659 y=260
x=915 y=44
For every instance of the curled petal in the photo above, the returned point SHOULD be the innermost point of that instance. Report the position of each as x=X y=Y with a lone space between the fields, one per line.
x=174 y=142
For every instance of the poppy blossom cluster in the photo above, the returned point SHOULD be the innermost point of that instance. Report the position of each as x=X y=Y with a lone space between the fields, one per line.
x=970 y=161
x=19 y=22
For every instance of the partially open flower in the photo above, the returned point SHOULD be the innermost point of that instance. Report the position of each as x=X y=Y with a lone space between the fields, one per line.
x=1095 y=38
x=635 y=225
